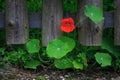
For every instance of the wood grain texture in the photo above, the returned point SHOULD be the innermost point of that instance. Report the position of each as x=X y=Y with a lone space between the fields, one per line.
x=89 y=34
x=52 y=14
x=16 y=22
x=117 y=23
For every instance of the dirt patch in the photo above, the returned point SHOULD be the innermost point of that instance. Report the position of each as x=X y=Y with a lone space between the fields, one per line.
x=14 y=73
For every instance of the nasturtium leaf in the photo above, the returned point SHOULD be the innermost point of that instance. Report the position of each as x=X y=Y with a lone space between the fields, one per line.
x=64 y=63
x=57 y=49
x=25 y=58
x=70 y=42
x=94 y=13
x=21 y=52
x=13 y=56
x=32 y=64
x=108 y=44
x=77 y=65
x=103 y=59
x=83 y=58
x=33 y=46
x=2 y=50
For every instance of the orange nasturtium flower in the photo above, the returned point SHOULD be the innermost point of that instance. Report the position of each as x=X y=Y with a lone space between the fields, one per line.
x=67 y=25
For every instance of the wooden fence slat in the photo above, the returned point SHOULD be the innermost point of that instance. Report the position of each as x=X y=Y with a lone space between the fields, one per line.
x=16 y=22
x=52 y=14
x=117 y=23
x=89 y=34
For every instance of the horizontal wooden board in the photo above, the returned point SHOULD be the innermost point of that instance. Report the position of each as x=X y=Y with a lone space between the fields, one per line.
x=2 y=20
x=109 y=20
x=35 y=20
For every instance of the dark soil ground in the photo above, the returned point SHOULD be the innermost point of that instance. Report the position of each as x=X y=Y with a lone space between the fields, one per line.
x=14 y=73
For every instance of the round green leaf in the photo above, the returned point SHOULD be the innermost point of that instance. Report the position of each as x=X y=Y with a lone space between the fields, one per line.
x=70 y=42
x=33 y=46
x=64 y=63
x=60 y=47
x=57 y=49
x=103 y=59
x=94 y=13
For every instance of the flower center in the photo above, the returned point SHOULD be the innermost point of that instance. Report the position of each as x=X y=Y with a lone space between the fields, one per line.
x=67 y=24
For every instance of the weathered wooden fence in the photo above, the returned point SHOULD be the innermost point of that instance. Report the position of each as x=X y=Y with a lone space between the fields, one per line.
x=17 y=22
x=89 y=33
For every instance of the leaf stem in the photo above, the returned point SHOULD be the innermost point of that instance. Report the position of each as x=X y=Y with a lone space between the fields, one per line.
x=41 y=60
x=80 y=21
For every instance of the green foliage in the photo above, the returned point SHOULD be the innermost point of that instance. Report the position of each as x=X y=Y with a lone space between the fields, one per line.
x=2 y=50
x=70 y=6
x=12 y=56
x=2 y=6
x=58 y=48
x=103 y=59
x=2 y=37
x=33 y=46
x=26 y=56
x=83 y=59
x=108 y=44
x=34 y=5
x=35 y=33
x=64 y=63
x=69 y=62
x=21 y=52
x=77 y=65
x=2 y=53
x=94 y=13
x=80 y=62
x=70 y=42
x=42 y=78
x=108 y=5
x=32 y=64
x=117 y=64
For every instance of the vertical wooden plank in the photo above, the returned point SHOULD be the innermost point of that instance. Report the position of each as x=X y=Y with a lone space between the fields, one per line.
x=16 y=22
x=89 y=33
x=117 y=23
x=52 y=13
